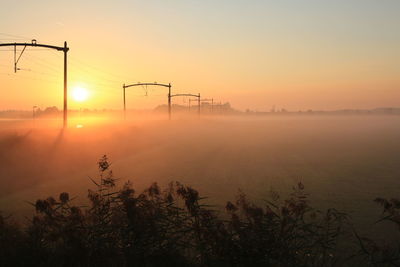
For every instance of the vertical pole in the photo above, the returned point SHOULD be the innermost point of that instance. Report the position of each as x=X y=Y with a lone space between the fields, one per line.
x=189 y=104
x=33 y=115
x=212 y=105
x=123 y=86
x=198 y=100
x=65 y=85
x=169 y=101
x=15 y=58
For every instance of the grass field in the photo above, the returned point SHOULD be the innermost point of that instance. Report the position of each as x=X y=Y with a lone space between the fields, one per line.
x=344 y=161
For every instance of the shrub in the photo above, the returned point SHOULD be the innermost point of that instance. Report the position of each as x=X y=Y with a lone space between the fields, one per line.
x=174 y=227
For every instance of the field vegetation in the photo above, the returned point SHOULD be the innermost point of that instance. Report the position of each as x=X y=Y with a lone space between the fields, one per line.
x=173 y=227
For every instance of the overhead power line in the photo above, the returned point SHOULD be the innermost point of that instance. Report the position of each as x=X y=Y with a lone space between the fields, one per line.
x=64 y=49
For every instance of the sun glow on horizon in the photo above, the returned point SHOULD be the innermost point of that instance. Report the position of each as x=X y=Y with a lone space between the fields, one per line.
x=80 y=94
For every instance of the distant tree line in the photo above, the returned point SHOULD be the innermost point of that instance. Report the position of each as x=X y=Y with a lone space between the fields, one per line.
x=206 y=108
x=283 y=111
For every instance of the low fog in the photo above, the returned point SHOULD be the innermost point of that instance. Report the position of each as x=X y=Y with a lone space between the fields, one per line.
x=343 y=161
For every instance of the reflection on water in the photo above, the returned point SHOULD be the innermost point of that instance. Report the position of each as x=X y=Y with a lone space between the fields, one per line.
x=79 y=126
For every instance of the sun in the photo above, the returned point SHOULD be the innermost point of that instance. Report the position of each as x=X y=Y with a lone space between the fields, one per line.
x=80 y=94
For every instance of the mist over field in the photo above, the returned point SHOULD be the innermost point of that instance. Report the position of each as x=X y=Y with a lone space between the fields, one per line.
x=344 y=161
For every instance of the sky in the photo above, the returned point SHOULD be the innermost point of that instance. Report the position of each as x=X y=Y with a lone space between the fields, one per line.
x=292 y=54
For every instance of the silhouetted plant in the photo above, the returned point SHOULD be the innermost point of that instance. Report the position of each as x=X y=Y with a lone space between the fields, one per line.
x=174 y=227
x=13 y=248
x=290 y=233
x=374 y=253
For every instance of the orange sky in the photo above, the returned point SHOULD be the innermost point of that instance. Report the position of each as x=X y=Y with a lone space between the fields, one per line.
x=303 y=54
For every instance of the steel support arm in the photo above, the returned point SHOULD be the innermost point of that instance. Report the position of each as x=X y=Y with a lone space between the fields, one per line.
x=33 y=44
x=139 y=84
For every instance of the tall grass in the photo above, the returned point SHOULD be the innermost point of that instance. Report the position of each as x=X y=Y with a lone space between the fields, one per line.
x=174 y=227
